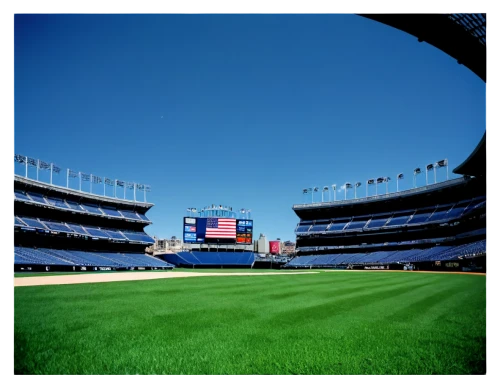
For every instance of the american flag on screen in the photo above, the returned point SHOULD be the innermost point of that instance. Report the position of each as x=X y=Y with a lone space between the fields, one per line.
x=221 y=228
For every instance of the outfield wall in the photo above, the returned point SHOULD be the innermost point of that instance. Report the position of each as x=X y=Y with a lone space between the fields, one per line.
x=57 y=268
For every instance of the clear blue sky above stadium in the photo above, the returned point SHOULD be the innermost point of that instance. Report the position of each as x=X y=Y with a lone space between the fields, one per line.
x=239 y=110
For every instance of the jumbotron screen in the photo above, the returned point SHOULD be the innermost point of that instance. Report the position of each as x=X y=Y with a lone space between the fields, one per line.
x=217 y=230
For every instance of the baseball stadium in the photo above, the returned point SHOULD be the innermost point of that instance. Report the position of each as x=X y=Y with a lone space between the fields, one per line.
x=387 y=283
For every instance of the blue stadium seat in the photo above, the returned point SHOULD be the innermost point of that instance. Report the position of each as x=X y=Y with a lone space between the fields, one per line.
x=18 y=222
x=357 y=225
x=439 y=214
x=129 y=214
x=138 y=237
x=397 y=221
x=57 y=202
x=110 y=211
x=335 y=227
x=35 y=197
x=85 y=258
x=319 y=228
x=114 y=234
x=142 y=216
x=419 y=218
x=96 y=232
x=74 y=206
x=376 y=223
x=78 y=229
x=60 y=227
x=303 y=228
x=474 y=206
x=457 y=210
x=91 y=208
x=33 y=223
x=21 y=195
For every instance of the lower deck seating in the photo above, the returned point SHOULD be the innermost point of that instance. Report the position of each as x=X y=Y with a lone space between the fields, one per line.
x=443 y=253
x=216 y=259
x=42 y=256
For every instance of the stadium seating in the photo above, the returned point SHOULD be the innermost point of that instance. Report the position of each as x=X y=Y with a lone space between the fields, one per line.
x=85 y=258
x=414 y=217
x=442 y=253
x=57 y=202
x=216 y=259
x=355 y=225
x=59 y=227
x=35 y=197
x=74 y=206
x=91 y=208
x=376 y=223
x=319 y=228
x=105 y=233
x=111 y=211
x=80 y=207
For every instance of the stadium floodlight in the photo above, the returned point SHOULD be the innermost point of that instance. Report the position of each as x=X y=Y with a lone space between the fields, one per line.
x=428 y=167
x=399 y=177
x=369 y=182
x=334 y=188
x=356 y=185
x=325 y=188
x=416 y=171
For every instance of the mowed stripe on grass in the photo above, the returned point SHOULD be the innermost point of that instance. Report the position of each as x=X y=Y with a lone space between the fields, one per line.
x=336 y=322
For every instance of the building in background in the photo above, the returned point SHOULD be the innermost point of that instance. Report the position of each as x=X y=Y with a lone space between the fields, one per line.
x=288 y=248
x=172 y=244
x=262 y=245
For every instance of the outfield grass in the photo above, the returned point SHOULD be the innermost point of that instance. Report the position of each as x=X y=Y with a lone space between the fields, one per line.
x=330 y=322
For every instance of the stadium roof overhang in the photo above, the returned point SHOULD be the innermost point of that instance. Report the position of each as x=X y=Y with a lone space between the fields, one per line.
x=463 y=37
x=475 y=165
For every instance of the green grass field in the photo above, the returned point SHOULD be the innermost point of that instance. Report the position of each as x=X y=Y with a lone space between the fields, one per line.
x=325 y=323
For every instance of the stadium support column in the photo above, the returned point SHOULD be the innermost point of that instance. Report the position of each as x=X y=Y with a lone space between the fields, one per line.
x=51 y=167
x=67 y=178
x=26 y=163
x=91 y=183
x=37 y=168
x=134 y=190
x=80 y=178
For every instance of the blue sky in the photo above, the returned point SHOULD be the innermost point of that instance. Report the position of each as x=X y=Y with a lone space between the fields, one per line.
x=240 y=110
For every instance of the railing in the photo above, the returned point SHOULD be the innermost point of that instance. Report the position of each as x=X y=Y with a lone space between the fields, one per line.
x=436 y=186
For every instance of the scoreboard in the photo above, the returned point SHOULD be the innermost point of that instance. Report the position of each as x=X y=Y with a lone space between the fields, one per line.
x=217 y=230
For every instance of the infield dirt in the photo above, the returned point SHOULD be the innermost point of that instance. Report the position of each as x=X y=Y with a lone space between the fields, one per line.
x=132 y=276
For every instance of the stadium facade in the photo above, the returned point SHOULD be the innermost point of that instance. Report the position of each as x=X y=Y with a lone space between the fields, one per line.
x=62 y=229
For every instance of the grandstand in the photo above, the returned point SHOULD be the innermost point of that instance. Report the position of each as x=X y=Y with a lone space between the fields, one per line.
x=215 y=237
x=62 y=229
x=436 y=227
